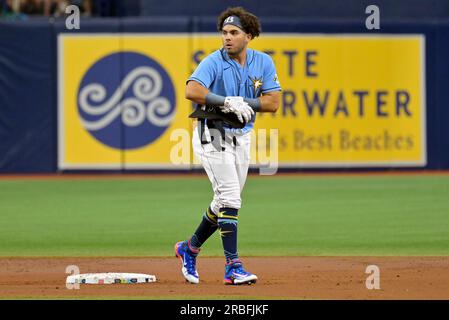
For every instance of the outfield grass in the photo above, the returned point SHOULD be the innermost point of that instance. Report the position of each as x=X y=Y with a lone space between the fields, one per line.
x=295 y=215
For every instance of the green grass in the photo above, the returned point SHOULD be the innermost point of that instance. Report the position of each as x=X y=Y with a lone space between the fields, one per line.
x=302 y=215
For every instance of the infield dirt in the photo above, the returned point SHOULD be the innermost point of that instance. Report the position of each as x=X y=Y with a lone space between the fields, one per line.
x=279 y=278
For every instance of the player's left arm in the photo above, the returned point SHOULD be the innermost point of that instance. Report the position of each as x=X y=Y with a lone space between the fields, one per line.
x=269 y=102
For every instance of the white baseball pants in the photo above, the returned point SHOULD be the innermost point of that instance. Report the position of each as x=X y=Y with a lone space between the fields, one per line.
x=227 y=170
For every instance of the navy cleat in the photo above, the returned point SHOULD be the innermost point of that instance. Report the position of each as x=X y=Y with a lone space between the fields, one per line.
x=235 y=274
x=188 y=260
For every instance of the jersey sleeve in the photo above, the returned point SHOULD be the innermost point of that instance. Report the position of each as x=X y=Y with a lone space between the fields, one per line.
x=270 y=78
x=205 y=73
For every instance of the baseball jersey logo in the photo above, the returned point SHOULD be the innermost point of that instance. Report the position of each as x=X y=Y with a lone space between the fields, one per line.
x=256 y=84
x=128 y=109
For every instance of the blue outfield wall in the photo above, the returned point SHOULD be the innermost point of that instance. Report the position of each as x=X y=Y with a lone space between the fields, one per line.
x=28 y=78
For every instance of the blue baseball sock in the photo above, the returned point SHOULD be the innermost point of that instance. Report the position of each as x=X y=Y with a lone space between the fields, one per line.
x=227 y=224
x=206 y=228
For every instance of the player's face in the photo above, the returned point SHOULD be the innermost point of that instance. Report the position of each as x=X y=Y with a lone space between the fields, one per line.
x=234 y=39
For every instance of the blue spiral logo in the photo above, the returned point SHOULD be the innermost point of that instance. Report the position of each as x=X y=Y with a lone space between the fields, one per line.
x=126 y=100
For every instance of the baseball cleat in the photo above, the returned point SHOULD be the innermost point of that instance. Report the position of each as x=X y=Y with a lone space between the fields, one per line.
x=188 y=260
x=235 y=274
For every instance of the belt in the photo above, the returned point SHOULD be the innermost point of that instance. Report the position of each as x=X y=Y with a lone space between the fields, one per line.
x=214 y=125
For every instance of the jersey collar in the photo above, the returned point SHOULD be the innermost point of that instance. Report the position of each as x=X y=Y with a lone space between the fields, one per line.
x=249 y=56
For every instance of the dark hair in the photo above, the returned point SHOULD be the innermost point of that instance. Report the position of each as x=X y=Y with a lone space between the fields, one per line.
x=250 y=22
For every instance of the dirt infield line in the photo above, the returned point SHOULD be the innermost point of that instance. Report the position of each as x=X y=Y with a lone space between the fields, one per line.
x=177 y=175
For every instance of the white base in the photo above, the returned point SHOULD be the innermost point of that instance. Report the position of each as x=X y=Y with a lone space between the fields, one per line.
x=110 y=278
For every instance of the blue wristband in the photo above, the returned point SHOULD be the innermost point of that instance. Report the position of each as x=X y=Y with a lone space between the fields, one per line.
x=214 y=100
x=254 y=104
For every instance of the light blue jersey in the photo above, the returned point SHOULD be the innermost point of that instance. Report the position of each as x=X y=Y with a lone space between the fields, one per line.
x=226 y=77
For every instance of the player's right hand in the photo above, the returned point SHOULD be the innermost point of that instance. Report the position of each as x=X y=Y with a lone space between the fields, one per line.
x=246 y=112
x=236 y=105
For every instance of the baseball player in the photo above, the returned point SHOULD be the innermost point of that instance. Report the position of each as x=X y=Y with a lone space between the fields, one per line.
x=229 y=86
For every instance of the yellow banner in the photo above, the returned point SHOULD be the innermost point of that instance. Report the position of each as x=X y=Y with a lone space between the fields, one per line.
x=120 y=98
x=347 y=100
